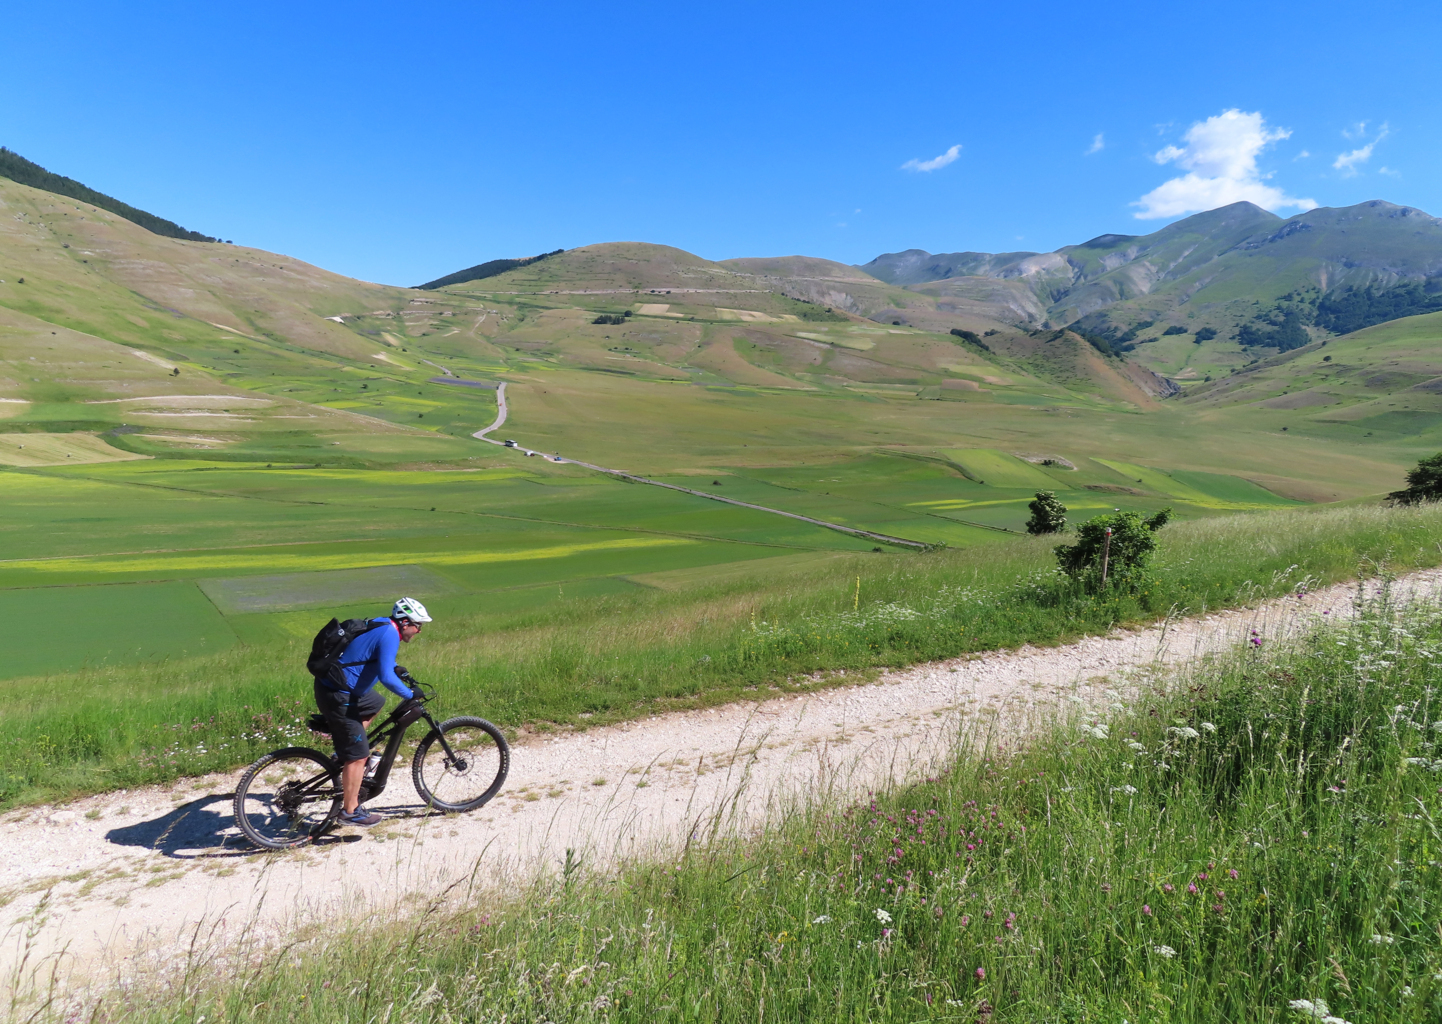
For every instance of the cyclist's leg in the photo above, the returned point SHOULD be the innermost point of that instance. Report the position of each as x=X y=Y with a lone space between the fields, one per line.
x=349 y=735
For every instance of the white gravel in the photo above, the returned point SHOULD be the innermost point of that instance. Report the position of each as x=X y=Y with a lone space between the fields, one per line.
x=135 y=876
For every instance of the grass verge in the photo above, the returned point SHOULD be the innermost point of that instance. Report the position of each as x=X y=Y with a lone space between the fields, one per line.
x=1259 y=843
x=621 y=656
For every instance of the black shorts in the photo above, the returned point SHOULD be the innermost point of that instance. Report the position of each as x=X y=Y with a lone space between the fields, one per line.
x=345 y=717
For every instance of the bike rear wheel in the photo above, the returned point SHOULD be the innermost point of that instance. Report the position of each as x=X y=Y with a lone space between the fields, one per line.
x=482 y=759
x=287 y=798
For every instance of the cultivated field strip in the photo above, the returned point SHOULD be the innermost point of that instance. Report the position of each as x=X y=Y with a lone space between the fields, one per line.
x=128 y=877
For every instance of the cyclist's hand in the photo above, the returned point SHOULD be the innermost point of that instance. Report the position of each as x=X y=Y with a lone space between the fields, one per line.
x=416 y=692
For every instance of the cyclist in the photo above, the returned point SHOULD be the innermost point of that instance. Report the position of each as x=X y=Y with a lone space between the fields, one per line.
x=348 y=710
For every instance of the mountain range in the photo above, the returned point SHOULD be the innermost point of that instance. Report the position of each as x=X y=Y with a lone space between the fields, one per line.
x=1225 y=269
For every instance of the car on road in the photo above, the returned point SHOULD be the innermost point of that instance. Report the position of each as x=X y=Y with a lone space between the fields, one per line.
x=510 y=443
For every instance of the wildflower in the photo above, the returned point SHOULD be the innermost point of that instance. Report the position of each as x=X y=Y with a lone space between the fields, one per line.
x=823 y=919
x=1164 y=951
x=1201 y=876
x=1232 y=872
x=981 y=974
x=1192 y=888
x=965 y=920
x=1381 y=940
x=986 y=914
x=1169 y=887
x=1139 y=748
x=1316 y=1009
x=1208 y=727
x=1146 y=909
x=883 y=916
x=1097 y=731
x=1186 y=732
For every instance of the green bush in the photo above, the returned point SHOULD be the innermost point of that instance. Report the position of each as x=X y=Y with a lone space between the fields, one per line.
x=1113 y=551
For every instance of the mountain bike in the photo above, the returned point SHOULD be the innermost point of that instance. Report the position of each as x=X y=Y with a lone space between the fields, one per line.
x=293 y=795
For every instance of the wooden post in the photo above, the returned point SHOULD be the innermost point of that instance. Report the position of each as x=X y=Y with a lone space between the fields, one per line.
x=1106 y=554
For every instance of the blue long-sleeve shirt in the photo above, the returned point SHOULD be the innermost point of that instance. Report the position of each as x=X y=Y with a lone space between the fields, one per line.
x=372 y=656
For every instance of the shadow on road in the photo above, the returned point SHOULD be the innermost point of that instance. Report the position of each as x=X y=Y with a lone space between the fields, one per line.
x=205 y=828
x=200 y=828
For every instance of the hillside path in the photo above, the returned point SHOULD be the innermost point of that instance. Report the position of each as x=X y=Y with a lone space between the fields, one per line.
x=124 y=879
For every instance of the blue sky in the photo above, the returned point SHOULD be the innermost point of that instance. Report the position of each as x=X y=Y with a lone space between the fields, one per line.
x=400 y=142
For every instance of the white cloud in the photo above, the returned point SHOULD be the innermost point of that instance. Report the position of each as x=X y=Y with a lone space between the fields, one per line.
x=1347 y=163
x=1304 y=154
x=935 y=163
x=1391 y=173
x=1098 y=144
x=1220 y=158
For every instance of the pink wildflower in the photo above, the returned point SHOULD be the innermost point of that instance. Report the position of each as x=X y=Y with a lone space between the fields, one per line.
x=981 y=974
x=1146 y=910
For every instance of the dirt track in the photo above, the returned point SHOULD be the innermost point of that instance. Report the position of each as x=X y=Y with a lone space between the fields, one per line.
x=132 y=874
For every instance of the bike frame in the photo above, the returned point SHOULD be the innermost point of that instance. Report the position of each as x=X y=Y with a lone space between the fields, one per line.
x=392 y=731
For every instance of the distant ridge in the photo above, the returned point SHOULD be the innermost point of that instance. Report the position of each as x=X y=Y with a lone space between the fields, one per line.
x=17 y=168
x=488 y=269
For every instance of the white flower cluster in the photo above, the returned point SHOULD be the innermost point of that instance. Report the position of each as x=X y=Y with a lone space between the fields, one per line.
x=1317 y=1010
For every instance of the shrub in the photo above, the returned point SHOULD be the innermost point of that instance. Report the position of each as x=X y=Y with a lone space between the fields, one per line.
x=1048 y=515
x=1124 y=561
x=609 y=318
x=970 y=336
x=1174 y=329
x=1205 y=334
x=1423 y=483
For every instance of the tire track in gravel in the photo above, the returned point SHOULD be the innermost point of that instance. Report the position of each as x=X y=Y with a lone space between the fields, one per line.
x=128 y=878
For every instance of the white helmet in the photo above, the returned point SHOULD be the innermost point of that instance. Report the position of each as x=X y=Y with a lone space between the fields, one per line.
x=410 y=608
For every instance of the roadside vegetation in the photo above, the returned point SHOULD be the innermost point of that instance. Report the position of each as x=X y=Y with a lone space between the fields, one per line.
x=612 y=657
x=1254 y=842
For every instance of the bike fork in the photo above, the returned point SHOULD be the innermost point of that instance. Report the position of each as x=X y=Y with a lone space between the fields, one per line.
x=450 y=754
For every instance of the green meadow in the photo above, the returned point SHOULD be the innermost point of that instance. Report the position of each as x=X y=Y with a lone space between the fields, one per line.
x=598 y=641
x=463 y=539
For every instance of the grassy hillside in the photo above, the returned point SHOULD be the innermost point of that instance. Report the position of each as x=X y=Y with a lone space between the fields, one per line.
x=26 y=172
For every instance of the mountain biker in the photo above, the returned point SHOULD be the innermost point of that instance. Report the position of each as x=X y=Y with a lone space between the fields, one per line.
x=348 y=710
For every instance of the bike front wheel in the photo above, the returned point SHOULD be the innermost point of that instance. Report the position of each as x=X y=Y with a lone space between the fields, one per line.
x=470 y=774
x=287 y=798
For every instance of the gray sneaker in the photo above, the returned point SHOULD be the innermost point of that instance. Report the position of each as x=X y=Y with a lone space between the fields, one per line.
x=359 y=816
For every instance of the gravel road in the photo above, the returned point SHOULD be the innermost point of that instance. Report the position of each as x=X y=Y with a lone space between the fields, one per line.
x=130 y=877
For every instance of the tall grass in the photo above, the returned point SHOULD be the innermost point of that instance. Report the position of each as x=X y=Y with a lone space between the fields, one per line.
x=609 y=658
x=1255 y=844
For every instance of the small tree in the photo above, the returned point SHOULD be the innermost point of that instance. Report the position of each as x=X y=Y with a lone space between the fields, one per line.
x=1122 y=560
x=1047 y=514
x=1423 y=483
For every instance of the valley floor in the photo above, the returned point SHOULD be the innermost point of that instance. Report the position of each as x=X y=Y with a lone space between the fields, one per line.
x=108 y=885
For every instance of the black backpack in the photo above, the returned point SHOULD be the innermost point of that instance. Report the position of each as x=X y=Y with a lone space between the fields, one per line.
x=325 y=650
